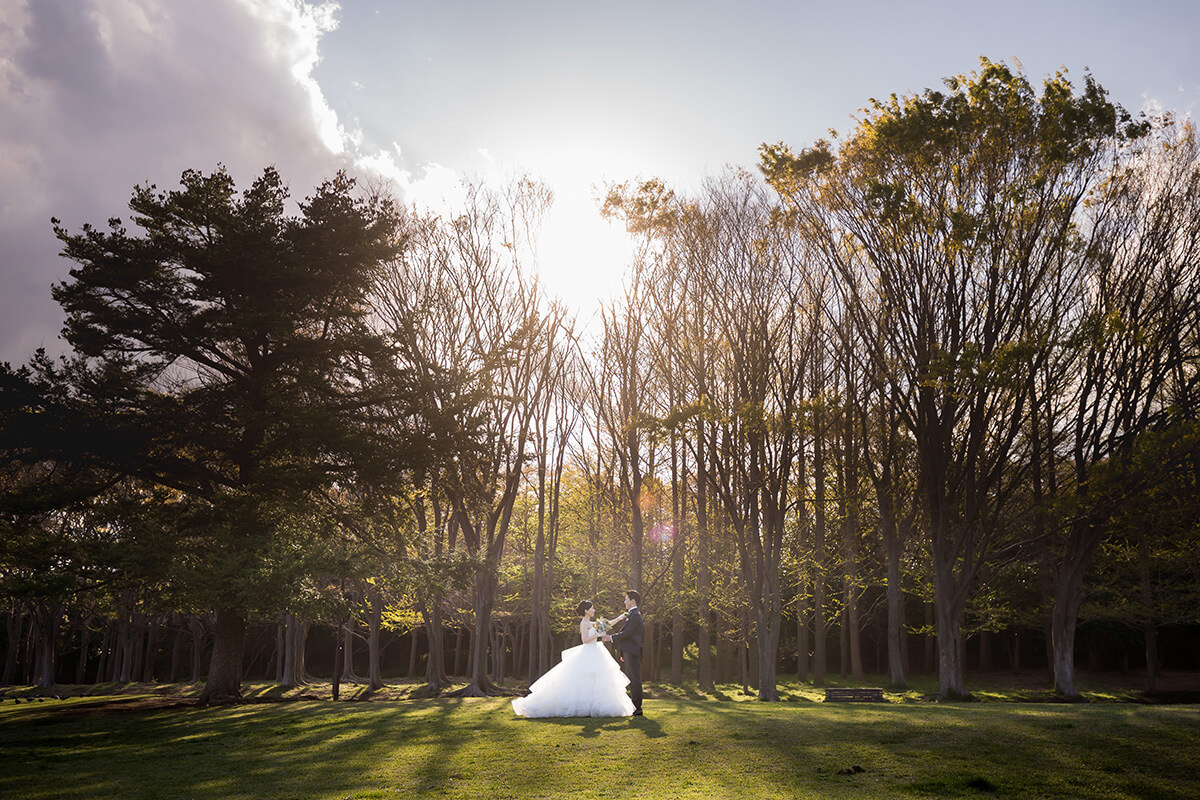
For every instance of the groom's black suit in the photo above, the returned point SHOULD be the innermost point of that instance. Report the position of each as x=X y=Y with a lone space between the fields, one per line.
x=629 y=639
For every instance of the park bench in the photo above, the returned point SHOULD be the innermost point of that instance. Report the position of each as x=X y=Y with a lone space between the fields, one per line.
x=851 y=694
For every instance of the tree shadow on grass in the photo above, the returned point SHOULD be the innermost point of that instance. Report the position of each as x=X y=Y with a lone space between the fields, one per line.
x=593 y=727
x=267 y=749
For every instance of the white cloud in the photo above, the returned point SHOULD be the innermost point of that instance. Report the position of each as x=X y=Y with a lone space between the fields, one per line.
x=293 y=34
x=97 y=96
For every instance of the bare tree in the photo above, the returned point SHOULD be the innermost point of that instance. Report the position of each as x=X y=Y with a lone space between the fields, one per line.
x=485 y=324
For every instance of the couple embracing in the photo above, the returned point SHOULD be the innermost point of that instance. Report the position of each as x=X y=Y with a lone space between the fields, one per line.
x=588 y=682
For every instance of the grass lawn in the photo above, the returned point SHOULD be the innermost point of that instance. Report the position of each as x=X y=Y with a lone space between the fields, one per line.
x=137 y=746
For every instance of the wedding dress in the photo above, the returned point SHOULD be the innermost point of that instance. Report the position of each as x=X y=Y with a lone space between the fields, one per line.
x=587 y=682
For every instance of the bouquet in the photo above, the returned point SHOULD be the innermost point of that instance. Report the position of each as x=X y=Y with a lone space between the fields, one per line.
x=603 y=626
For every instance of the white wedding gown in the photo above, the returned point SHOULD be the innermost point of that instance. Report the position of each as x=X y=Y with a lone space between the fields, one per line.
x=588 y=682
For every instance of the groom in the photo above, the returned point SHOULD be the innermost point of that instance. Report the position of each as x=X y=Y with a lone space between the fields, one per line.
x=629 y=639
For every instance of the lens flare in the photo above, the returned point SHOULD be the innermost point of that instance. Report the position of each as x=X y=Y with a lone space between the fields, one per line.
x=662 y=533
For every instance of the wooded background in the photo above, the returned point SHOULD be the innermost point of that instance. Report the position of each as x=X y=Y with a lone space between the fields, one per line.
x=919 y=397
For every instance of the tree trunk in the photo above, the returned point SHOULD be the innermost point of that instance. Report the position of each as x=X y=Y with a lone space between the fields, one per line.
x=929 y=645
x=224 y=682
x=1149 y=629
x=288 y=676
x=435 y=661
x=844 y=637
x=303 y=628
x=412 y=653
x=767 y=654
x=895 y=609
x=105 y=651
x=853 y=631
x=137 y=646
x=803 y=653
x=1150 y=637
x=15 y=624
x=374 y=656
x=281 y=648
x=460 y=648
x=124 y=650
x=347 y=633
x=820 y=659
x=1073 y=564
x=704 y=664
x=1014 y=654
x=47 y=618
x=85 y=641
x=678 y=639
x=951 y=678
x=479 y=684
x=199 y=635
x=177 y=652
x=539 y=561
x=153 y=635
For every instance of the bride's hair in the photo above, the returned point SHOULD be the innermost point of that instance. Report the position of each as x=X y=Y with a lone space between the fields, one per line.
x=583 y=606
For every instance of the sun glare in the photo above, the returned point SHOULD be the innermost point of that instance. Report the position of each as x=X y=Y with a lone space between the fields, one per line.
x=582 y=257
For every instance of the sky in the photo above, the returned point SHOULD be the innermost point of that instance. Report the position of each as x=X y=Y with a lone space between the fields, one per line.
x=99 y=96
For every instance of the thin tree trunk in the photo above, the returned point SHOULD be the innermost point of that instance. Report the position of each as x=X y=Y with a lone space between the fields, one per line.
x=1149 y=628
x=412 y=653
x=459 y=649
x=198 y=641
x=820 y=659
x=14 y=624
x=153 y=635
x=435 y=662
x=374 y=657
x=105 y=651
x=138 y=629
x=677 y=572
x=803 y=653
x=47 y=618
x=281 y=648
x=985 y=651
x=121 y=669
x=929 y=653
x=539 y=561
x=177 y=652
x=1150 y=638
x=704 y=663
x=895 y=607
x=347 y=633
x=288 y=674
x=85 y=642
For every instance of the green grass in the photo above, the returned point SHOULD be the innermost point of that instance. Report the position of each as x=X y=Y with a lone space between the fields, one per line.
x=686 y=747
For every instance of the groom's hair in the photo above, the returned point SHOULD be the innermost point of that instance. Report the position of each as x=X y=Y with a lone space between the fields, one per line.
x=634 y=596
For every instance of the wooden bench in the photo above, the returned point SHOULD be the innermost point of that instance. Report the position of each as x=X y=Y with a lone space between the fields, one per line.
x=852 y=694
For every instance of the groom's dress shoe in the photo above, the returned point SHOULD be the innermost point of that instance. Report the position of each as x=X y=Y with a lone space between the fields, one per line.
x=637 y=712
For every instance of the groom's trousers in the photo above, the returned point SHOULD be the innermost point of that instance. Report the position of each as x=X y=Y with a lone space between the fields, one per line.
x=632 y=664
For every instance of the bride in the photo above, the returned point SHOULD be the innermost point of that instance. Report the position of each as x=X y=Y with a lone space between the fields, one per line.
x=588 y=682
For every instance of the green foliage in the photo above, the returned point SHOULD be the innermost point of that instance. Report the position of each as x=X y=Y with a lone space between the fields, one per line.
x=224 y=376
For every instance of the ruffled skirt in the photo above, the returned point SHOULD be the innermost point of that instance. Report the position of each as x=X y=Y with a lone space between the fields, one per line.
x=588 y=682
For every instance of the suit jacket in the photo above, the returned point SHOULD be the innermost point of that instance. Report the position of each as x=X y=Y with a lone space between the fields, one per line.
x=629 y=638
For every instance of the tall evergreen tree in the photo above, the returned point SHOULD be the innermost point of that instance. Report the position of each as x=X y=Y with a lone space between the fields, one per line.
x=224 y=350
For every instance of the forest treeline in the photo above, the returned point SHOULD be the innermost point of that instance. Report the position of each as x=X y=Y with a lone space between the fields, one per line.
x=934 y=378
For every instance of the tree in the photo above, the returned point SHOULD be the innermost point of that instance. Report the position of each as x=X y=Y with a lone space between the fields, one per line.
x=225 y=352
x=1130 y=360
x=485 y=325
x=948 y=216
